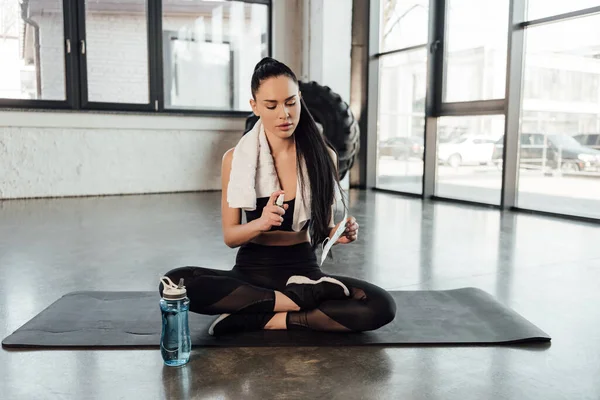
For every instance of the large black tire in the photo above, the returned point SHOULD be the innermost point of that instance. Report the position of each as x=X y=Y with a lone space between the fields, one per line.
x=334 y=115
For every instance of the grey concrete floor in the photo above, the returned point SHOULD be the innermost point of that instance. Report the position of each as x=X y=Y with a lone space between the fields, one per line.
x=568 y=203
x=548 y=270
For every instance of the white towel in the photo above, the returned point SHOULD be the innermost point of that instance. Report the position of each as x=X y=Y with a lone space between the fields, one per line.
x=253 y=175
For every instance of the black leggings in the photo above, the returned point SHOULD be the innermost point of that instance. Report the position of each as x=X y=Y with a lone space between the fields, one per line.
x=260 y=270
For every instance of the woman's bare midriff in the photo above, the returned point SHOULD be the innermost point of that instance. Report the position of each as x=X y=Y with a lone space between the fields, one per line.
x=279 y=238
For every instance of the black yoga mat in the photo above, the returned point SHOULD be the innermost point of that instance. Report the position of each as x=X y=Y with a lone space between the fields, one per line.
x=132 y=319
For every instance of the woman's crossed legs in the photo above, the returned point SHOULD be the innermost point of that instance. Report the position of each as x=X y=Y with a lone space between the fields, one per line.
x=254 y=299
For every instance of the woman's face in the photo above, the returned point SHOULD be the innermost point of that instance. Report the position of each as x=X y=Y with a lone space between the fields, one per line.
x=278 y=105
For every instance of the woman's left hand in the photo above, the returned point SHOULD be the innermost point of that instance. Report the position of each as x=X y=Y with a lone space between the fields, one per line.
x=351 y=232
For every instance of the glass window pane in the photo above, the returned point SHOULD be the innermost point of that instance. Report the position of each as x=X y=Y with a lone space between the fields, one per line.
x=117 y=51
x=547 y=8
x=404 y=23
x=470 y=152
x=559 y=171
x=475 y=53
x=402 y=85
x=209 y=52
x=32 y=61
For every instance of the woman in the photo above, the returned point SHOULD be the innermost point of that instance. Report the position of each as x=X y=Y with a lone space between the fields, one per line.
x=277 y=282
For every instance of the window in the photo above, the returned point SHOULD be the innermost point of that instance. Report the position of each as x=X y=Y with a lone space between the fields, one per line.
x=549 y=106
x=188 y=56
x=401 y=121
x=403 y=53
x=117 y=51
x=475 y=54
x=31 y=50
x=544 y=8
x=209 y=52
x=404 y=24
x=470 y=154
x=564 y=110
x=553 y=121
x=544 y=83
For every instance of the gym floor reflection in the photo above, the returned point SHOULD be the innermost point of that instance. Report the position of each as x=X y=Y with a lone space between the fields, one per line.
x=546 y=269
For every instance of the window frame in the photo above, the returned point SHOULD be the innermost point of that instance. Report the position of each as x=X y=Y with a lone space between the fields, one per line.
x=75 y=62
x=509 y=106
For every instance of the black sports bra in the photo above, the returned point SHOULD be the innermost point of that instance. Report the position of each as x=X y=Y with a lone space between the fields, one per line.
x=288 y=217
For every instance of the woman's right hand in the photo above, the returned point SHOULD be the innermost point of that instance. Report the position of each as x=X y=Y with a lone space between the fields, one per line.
x=272 y=214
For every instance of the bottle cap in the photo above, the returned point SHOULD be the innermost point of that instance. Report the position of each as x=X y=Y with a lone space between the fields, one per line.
x=279 y=200
x=172 y=291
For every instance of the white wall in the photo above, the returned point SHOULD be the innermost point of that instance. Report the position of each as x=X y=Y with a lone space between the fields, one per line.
x=288 y=33
x=327 y=47
x=71 y=154
x=330 y=44
x=337 y=45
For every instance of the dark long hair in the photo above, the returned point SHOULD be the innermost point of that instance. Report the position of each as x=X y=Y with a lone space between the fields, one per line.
x=312 y=148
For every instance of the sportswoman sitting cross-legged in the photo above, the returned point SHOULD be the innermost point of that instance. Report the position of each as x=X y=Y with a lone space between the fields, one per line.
x=277 y=282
